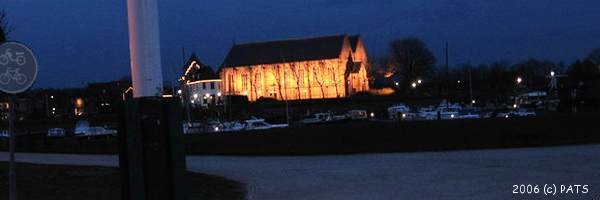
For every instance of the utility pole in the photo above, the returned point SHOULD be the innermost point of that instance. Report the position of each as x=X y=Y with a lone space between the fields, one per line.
x=184 y=87
x=447 y=79
x=470 y=86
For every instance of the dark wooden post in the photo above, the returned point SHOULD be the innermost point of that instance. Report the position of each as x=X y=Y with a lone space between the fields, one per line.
x=152 y=157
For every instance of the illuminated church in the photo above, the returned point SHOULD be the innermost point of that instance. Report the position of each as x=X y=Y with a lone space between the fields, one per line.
x=310 y=68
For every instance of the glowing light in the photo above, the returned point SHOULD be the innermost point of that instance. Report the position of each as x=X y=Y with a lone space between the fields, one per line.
x=414 y=85
x=52 y=97
x=203 y=81
x=519 y=80
x=219 y=94
x=472 y=101
x=458 y=81
x=452 y=116
x=514 y=105
x=419 y=81
x=372 y=115
x=179 y=91
x=79 y=103
x=396 y=83
x=552 y=73
x=403 y=115
x=195 y=96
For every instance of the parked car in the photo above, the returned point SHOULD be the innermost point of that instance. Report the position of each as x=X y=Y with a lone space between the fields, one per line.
x=191 y=127
x=260 y=124
x=56 y=132
x=357 y=114
x=522 y=112
x=4 y=134
x=83 y=129
x=230 y=126
x=318 y=118
x=397 y=110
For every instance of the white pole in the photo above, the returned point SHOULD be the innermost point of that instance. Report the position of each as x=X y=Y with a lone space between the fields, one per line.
x=144 y=47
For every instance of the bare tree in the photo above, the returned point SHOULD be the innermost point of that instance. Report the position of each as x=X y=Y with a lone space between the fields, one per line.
x=410 y=58
x=5 y=28
x=252 y=77
x=594 y=56
x=297 y=78
x=277 y=75
x=333 y=72
x=318 y=75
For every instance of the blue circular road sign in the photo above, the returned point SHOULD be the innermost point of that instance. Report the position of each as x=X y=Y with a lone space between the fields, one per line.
x=18 y=67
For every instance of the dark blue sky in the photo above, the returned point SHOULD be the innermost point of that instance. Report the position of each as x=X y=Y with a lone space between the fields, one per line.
x=80 y=41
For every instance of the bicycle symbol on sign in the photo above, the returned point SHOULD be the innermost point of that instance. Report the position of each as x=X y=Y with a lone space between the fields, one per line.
x=8 y=56
x=12 y=73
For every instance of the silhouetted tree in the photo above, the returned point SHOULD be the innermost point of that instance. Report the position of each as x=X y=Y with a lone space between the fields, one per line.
x=580 y=72
x=4 y=27
x=501 y=79
x=585 y=80
x=410 y=59
x=594 y=56
x=377 y=72
x=534 y=72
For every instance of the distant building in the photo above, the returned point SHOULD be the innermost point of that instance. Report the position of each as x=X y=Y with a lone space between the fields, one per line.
x=102 y=97
x=311 y=68
x=201 y=85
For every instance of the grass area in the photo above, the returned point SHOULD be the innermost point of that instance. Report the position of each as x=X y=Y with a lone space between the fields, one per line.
x=57 y=182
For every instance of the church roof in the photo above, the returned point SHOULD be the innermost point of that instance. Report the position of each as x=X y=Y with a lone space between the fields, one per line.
x=270 y=52
x=354 y=41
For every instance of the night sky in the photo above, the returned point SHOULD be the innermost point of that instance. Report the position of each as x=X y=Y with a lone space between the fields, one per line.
x=81 y=41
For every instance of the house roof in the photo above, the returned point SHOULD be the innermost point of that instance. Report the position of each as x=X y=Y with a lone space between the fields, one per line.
x=270 y=52
x=192 y=58
x=194 y=70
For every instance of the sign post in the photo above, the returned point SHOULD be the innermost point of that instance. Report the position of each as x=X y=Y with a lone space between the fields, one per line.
x=18 y=70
